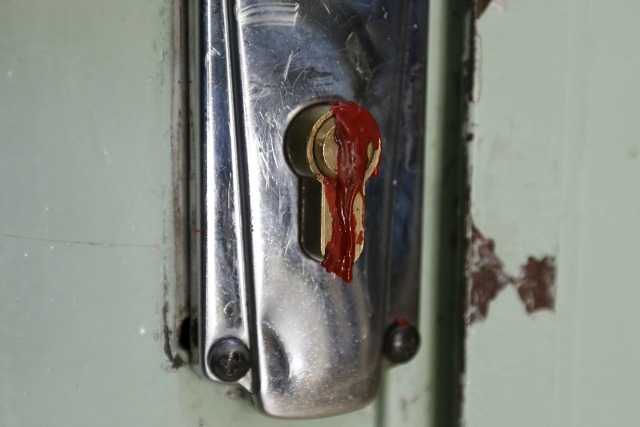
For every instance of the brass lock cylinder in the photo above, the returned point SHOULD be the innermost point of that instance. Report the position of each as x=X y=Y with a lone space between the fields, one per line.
x=334 y=147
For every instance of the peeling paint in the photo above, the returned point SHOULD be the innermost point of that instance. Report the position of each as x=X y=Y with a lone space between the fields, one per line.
x=488 y=277
x=535 y=281
x=483 y=5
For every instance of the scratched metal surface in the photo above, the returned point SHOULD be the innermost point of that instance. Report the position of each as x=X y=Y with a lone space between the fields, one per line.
x=317 y=341
x=219 y=289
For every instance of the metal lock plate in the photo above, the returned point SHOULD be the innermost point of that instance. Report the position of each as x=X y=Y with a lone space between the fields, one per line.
x=266 y=315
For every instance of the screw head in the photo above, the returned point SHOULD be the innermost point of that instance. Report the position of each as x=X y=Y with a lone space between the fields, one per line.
x=402 y=341
x=229 y=359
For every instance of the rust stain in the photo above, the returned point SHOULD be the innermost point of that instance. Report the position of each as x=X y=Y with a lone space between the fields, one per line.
x=535 y=282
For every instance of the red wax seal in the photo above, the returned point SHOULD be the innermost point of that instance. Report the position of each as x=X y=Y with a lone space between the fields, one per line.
x=355 y=130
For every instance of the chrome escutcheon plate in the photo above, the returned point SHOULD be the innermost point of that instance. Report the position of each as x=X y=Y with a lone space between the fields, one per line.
x=266 y=316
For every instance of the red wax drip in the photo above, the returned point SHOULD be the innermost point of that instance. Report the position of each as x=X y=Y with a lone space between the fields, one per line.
x=402 y=322
x=355 y=129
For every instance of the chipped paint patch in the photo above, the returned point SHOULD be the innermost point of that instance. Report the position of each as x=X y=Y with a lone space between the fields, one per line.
x=535 y=281
x=488 y=277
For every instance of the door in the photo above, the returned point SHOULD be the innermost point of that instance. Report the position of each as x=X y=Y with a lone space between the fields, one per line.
x=93 y=130
x=554 y=186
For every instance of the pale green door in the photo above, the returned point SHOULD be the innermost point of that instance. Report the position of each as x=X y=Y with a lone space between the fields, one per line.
x=556 y=172
x=90 y=135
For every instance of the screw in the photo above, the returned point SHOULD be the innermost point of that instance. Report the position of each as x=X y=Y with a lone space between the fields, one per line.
x=229 y=359
x=401 y=341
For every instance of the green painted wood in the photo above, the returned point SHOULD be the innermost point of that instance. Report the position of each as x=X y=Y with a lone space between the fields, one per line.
x=556 y=171
x=87 y=239
x=85 y=181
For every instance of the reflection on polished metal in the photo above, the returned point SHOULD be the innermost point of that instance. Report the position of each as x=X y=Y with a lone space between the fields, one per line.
x=313 y=153
x=315 y=343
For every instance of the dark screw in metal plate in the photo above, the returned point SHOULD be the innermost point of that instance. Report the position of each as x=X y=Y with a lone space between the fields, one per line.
x=229 y=359
x=401 y=342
